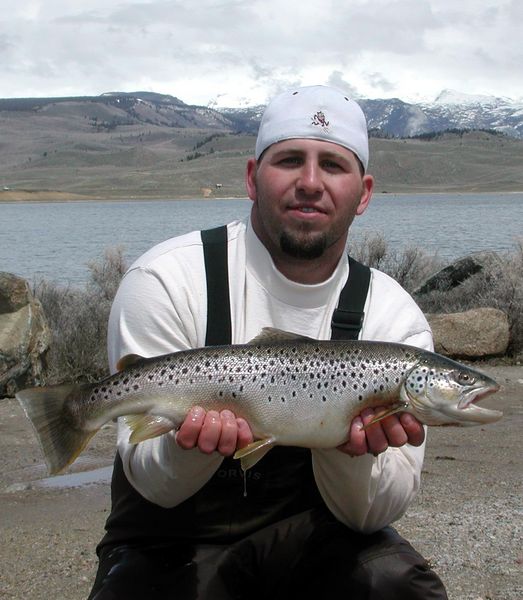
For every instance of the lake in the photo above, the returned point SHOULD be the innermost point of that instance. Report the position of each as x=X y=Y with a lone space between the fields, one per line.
x=55 y=241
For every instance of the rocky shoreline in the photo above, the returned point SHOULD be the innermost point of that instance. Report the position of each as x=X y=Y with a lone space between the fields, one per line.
x=467 y=519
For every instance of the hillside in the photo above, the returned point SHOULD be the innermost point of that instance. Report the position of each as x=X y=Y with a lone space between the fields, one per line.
x=121 y=146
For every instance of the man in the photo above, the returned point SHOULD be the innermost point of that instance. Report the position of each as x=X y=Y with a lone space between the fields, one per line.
x=314 y=523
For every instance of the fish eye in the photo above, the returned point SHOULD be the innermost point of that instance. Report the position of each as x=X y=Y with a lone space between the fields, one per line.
x=464 y=378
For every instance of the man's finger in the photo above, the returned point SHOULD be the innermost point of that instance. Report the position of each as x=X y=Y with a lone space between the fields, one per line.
x=210 y=433
x=413 y=428
x=229 y=433
x=187 y=435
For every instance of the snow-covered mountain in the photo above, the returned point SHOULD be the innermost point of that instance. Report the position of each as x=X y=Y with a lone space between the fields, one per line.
x=450 y=110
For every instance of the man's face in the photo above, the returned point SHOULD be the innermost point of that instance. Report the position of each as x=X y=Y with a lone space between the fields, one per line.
x=306 y=194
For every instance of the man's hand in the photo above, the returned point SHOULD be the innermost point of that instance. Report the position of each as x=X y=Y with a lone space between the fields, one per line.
x=393 y=431
x=213 y=430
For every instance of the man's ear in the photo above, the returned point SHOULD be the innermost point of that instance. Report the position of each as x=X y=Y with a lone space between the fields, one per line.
x=366 y=194
x=250 y=178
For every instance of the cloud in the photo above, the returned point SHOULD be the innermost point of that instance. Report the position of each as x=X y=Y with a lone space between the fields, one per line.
x=239 y=52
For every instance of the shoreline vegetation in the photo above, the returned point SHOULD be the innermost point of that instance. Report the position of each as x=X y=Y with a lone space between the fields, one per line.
x=78 y=317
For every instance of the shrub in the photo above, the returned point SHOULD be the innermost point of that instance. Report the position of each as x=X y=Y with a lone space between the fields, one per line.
x=78 y=321
x=409 y=267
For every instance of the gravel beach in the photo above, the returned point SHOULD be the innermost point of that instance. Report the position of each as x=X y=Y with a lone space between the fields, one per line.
x=467 y=519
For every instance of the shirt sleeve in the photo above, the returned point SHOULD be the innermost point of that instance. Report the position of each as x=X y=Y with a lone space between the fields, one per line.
x=146 y=320
x=366 y=492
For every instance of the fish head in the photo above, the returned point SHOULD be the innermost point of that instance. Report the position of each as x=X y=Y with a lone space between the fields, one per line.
x=445 y=392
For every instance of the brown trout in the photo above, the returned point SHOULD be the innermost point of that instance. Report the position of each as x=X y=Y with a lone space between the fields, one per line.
x=293 y=391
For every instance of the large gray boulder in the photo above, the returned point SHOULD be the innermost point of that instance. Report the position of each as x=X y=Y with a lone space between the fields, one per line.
x=470 y=334
x=24 y=336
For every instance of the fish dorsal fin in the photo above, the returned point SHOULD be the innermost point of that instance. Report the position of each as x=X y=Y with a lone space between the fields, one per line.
x=128 y=361
x=271 y=334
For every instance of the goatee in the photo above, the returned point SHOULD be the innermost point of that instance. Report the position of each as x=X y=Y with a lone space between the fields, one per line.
x=306 y=248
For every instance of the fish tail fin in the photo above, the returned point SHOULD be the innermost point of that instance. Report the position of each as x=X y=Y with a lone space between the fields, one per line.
x=61 y=443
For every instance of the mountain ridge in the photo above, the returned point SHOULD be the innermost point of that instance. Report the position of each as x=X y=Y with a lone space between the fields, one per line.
x=393 y=116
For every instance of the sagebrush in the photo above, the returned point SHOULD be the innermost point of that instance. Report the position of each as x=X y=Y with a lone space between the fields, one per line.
x=78 y=321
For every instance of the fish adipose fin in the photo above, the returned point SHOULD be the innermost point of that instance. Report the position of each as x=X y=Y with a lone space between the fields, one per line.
x=61 y=443
x=145 y=427
x=254 y=452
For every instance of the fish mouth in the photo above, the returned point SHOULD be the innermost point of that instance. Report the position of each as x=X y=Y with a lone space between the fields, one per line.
x=478 y=414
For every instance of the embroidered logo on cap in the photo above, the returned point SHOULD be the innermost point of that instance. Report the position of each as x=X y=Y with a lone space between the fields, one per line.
x=320 y=120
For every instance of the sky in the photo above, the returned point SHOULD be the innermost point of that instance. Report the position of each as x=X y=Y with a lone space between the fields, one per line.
x=242 y=52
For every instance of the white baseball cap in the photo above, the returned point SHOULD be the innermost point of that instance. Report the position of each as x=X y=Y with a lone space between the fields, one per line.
x=315 y=112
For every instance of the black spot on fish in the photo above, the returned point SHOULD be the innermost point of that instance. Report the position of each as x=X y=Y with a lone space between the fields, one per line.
x=136 y=387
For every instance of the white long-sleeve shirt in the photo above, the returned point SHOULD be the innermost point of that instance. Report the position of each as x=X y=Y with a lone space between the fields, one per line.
x=161 y=307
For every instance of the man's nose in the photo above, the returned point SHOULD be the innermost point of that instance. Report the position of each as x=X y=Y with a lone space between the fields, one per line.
x=310 y=180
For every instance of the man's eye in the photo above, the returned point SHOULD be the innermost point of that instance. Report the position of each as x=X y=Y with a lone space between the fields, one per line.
x=330 y=164
x=291 y=160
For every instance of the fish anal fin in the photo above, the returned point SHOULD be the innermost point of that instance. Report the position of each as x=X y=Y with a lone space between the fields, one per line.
x=271 y=334
x=395 y=408
x=254 y=452
x=128 y=361
x=145 y=427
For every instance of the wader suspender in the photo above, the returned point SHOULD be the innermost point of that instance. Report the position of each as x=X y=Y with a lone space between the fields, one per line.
x=217 y=273
x=348 y=317
x=346 y=320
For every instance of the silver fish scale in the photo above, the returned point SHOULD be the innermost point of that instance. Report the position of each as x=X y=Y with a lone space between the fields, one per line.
x=271 y=385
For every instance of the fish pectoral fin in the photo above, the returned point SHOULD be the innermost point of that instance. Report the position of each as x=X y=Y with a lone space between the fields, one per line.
x=271 y=334
x=254 y=452
x=395 y=408
x=145 y=427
